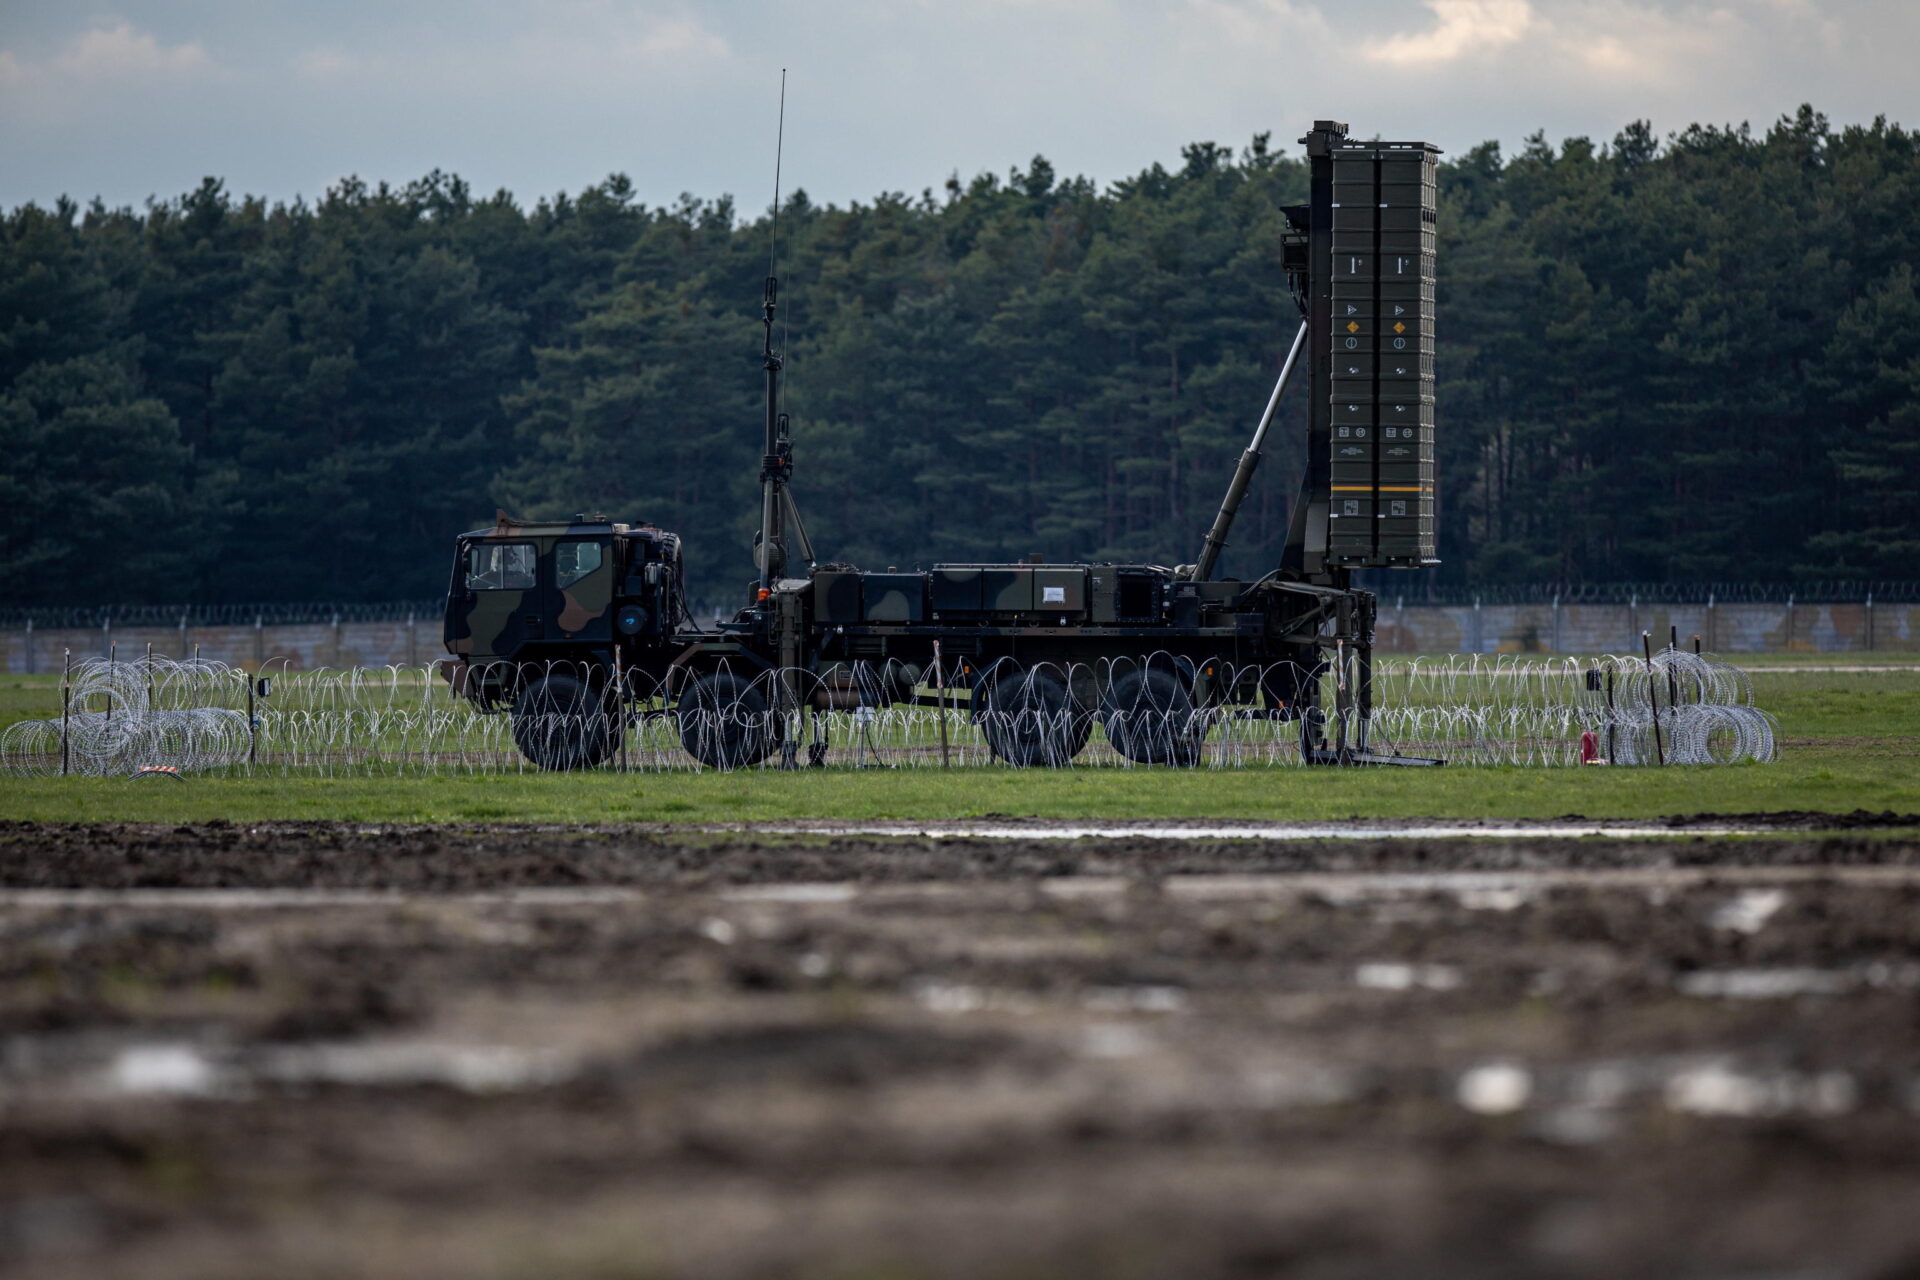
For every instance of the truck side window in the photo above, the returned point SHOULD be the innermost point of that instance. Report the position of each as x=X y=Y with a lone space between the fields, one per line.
x=573 y=561
x=500 y=566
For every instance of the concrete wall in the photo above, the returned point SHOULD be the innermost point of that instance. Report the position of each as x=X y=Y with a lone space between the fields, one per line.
x=1616 y=628
x=1539 y=628
x=294 y=647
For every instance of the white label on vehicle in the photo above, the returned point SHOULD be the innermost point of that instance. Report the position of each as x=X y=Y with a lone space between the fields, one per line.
x=1053 y=595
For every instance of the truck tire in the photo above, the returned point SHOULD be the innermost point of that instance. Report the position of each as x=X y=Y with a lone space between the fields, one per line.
x=559 y=723
x=1150 y=718
x=726 y=722
x=1032 y=719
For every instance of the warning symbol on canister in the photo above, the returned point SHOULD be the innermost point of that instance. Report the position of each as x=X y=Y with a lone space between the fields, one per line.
x=1399 y=326
x=1353 y=326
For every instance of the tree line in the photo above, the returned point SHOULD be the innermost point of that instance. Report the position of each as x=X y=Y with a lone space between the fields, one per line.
x=1672 y=359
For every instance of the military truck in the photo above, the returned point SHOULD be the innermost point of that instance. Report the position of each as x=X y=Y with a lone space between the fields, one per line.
x=576 y=628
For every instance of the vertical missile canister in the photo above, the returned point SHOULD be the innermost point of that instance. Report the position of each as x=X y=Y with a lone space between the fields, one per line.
x=1373 y=216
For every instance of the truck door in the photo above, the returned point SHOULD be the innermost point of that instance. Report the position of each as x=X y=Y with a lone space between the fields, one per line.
x=582 y=590
x=502 y=581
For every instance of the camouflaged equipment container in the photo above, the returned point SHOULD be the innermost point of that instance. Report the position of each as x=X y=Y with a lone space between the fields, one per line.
x=576 y=628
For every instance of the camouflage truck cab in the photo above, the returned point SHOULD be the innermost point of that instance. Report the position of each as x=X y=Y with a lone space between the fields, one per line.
x=540 y=615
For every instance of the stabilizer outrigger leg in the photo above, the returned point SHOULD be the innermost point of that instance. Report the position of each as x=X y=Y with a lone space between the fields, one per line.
x=1352 y=669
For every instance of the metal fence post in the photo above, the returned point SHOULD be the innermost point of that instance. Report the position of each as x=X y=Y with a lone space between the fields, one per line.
x=259 y=640
x=940 y=698
x=29 y=654
x=619 y=702
x=1713 y=622
x=1869 y=623
x=1653 y=698
x=183 y=633
x=66 y=708
x=1789 y=639
x=1556 y=623
x=1479 y=627
x=413 y=640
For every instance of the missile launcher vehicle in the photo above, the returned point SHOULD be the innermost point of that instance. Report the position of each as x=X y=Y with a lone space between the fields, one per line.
x=576 y=628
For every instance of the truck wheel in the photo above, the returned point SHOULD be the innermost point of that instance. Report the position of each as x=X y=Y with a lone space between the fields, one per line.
x=1150 y=718
x=1032 y=719
x=561 y=724
x=726 y=723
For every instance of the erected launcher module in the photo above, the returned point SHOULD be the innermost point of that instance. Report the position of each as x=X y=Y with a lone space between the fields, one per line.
x=576 y=628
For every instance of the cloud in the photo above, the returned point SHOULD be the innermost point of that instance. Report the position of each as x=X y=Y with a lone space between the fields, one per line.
x=325 y=62
x=885 y=94
x=681 y=36
x=119 y=52
x=569 y=50
x=107 y=55
x=1464 y=27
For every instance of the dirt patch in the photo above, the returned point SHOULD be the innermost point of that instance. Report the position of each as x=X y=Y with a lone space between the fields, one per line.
x=959 y=1066
x=492 y=856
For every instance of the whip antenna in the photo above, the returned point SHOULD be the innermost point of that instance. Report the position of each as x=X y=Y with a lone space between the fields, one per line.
x=776 y=459
x=779 y=141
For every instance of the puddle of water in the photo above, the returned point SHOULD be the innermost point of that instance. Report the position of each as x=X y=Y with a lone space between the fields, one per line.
x=1765 y=984
x=1501 y=898
x=1248 y=831
x=1719 y=1089
x=178 y=1070
x=183 y=1070
x=1407 y=977
x=1114 y=1040
x=1299 y=1084
x=1494 y=1088
x=1774 y=984
x=1583 y=1103
x=825 y=894
x=394 y=1063
x=960 y=998
x=1135 y=999
x=1749 y=910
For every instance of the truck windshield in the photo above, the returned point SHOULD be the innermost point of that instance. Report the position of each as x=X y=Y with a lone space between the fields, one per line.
x=573 y=561
x=500 y=566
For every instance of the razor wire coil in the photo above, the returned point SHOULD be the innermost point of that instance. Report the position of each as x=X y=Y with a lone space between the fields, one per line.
x=201 y=716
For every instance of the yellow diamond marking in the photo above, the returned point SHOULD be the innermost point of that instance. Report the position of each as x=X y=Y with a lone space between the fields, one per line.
x=1399 y=326
x=1353 y=326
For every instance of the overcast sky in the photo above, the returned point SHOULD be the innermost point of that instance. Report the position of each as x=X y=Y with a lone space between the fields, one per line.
x=142 y=98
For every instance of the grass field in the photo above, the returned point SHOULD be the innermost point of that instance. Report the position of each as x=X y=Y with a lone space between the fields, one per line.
x=1850 y=741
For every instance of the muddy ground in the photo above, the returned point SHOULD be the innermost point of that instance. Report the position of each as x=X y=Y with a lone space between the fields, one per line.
x=599 y=1053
